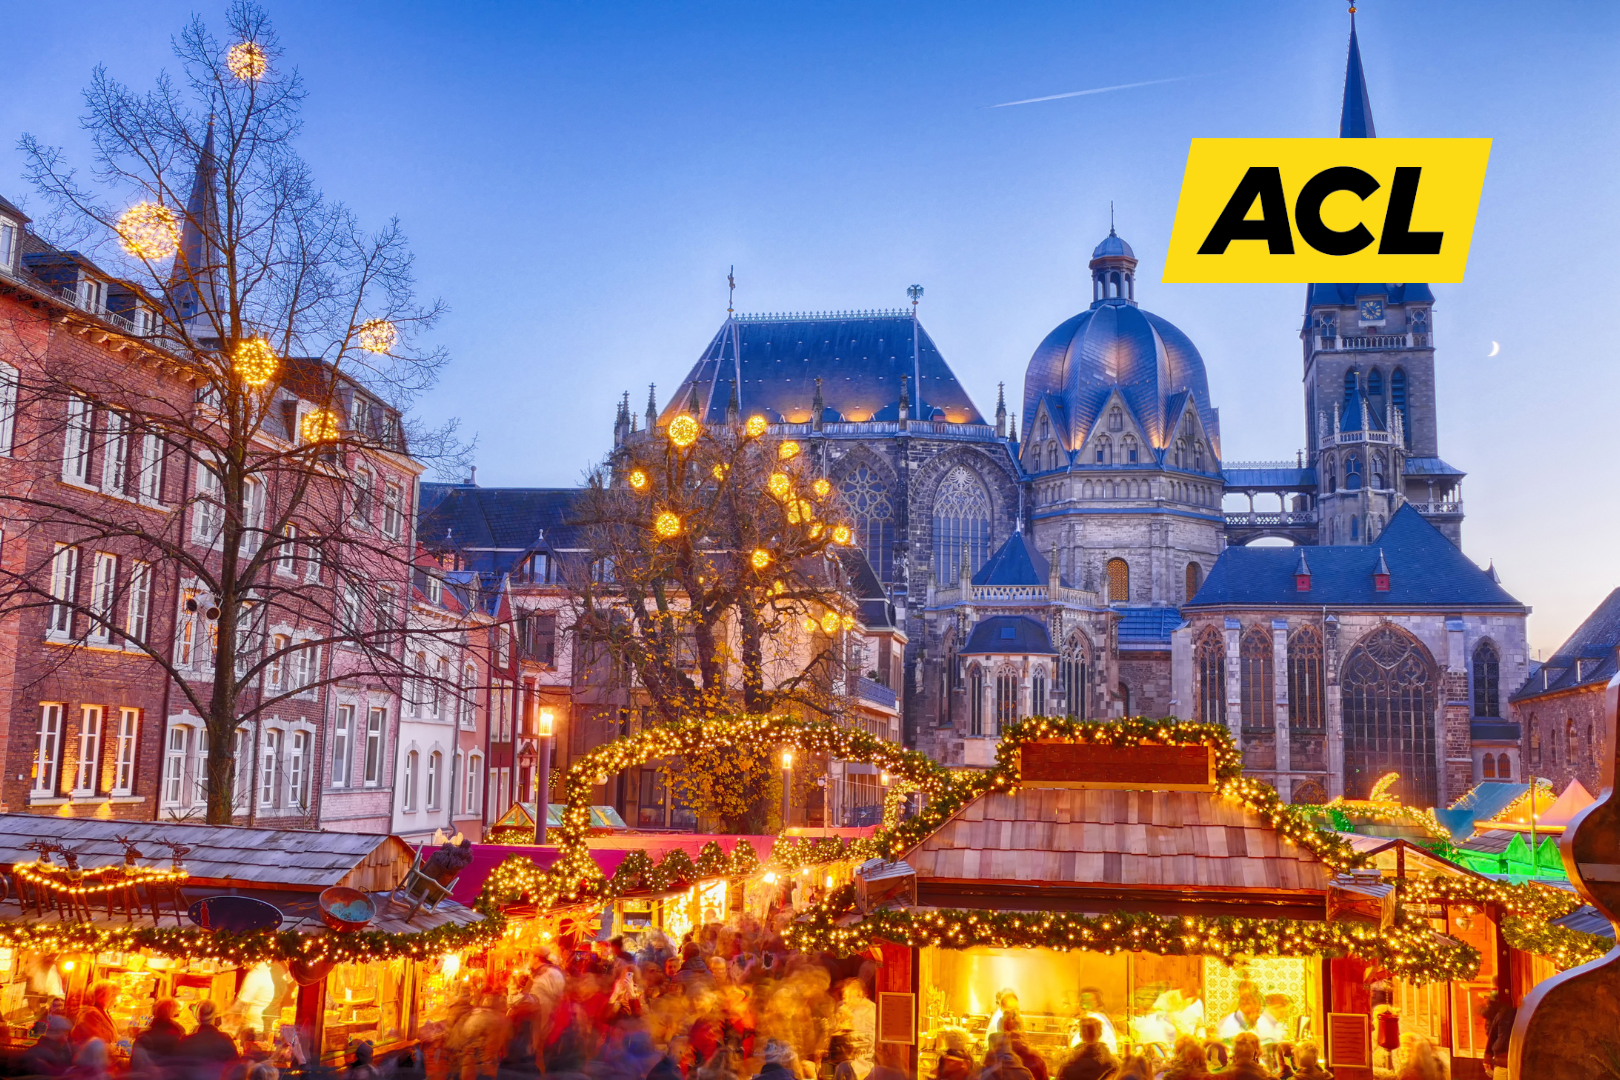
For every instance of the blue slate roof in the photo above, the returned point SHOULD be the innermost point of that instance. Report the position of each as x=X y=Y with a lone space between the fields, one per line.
x=1356 y=409
x=1426 y=570
x=1431 y=466
x=1587 y=658
x=860 y=359
x=1147 y=627
x=1588 y=920
x=1484 y=802
x=1355 y=119
x=1112 y=246
x=1009 y=634
x=465 y=516
x=1015 y=563
x=1344 y=294
x=1265 y=478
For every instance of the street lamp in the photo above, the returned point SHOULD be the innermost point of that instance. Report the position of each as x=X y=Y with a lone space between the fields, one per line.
x=787 y=786
x=548 y=718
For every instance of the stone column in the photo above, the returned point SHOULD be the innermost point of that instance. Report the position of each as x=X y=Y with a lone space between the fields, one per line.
x=1279 y=668
x=1334 y=705
x=1234 y=680
x=1455 y=725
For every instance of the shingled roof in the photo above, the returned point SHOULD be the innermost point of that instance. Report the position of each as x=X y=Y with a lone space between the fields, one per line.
x=1015 y=563
x=1588 y=658
x=512 y=519
x=1425 y=568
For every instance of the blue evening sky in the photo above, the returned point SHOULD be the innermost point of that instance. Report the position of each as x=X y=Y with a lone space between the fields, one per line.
x=577 y=178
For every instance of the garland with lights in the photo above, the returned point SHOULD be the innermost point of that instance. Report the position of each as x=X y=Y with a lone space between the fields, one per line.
x=1566 y=948
x=1409 y=949
x=1527 y=909
x=101 y=879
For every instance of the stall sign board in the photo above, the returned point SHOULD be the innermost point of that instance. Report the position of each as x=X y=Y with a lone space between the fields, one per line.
x=1148 y=767
x=1349 y=1038
x=896 y=1013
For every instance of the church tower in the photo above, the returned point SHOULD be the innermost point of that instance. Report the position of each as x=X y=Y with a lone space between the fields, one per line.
x=1370 y=426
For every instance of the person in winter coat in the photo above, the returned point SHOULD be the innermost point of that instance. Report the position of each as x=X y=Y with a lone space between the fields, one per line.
x=161 y=1041
x=52 y=1054
x=778 y=1062
x=1188 y=1061
x=1091 y=1060
x=208 y=1046
x=1499 y=1016
x=93 y=1021
x=1308 y=1063
x=1246 y=1064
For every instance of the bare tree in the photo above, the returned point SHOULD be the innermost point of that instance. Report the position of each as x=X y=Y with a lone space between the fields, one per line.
x=268 y=346
x=712 y=577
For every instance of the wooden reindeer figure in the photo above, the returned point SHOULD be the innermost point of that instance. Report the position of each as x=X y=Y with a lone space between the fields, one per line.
x=1569 y=1026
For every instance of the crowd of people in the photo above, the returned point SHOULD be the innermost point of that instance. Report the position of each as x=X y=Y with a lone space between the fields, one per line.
x=725 y=1004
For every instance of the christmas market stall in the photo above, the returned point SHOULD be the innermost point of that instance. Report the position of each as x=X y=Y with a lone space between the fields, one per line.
x=1126 y=872
x=316 y=941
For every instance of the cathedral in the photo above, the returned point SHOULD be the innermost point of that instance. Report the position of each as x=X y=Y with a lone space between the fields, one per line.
x=1104 y=558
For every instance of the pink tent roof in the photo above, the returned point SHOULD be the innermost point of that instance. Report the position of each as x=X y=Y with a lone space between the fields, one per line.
x=1574 y=799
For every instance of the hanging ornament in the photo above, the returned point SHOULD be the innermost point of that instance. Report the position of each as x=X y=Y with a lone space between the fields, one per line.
x=255 y=361
x=760 y=559
x=756 y=426
x=683 y=431
x=149 y=231
x=638 y=479
x=778 y=484
x=788 y=450
x=822 y=488
x=719 y=472
x=841 y=534
x=319 y=426
x=829 y=622
x=378 y=335
x=247 y=61
x=667 y=525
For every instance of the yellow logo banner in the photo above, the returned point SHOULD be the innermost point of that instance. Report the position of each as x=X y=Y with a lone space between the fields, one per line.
x=1303 y=210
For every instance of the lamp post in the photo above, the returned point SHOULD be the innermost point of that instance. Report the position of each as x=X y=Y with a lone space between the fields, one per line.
x=787 y=786
x=542 y=803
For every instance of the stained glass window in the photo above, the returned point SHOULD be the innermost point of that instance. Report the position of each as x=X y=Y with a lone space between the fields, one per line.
x=866 y=493
x=1388 y=695
x=961 y=521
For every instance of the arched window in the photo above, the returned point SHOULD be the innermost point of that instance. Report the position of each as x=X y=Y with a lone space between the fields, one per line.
x=1210 y=661
x=1105 y=451
x=1037 y=693
x=1046 y=428
x=1119 y=581
x=1397 y=399
x=1198 y=456
x=1052 y=456
x=1330 y=477
x=1074 y=675
x=1388 y=697
x=1181 y=453
x=1378 y=472
x=866 y=494
x=435 y=767
x=1309 y=792
x=1487 y=675
x=1489 y=767
x=975 y=700
x=1130 y=449
x=1535 y=740
x=1349 y=382
x=1352 y=472
x=1375 y=383
x=961 y=523
x=1305 y=712
x=407 y=787
x=1355 y=527
x=1006 y=700
x=1572 y=749
x=1116 y=419
x=1504 y=767
x=1195 y=578
x=1258 y=686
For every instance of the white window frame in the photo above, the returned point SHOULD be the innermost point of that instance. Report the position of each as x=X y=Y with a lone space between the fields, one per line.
x=176 y=751
x=187 y=625
x=87 y=769
x=361 y=509
x=199 y=766
x=64 y=589
x=469 y=696
x=343 y=745
x=124 y=751
x=280 y=667
x=312 y=561
x=208 y=511
x=76 y=441
x=9 y=380
x=441 y=680
x=149 y=481
x=306 y=668
x=242 y=759
x=48 y=748
x=472 y=798
x=387 y=613
x=298 y=747
x=253 y=508
x=8 y=245
x=138 y=607
x=114 y=452
x=376 y=723
x=435 y=769
x=407 y=783
x=269 y=764
x=349 y=617
x=103 y=595
x=287 y=553
x=393 y=522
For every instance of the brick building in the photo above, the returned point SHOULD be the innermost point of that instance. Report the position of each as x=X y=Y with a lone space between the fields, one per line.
x=1559 y=713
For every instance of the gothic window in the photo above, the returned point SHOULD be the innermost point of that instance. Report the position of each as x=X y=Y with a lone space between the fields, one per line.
x=1195 y=576
x=1397 y=399
x=1046 y=428
x=1487 y=677
x=1130 y=450
x=1006 y=700
x=1258 y=686
x=1349 y=382
x=1105 y=451
x=1330 y=478
x=1210 y=689
x=1181 y=453
x=975 y=700
x=1378 y=471
x=1355 y=527
x=1489 y=772
x=1310 y=792
x=1535 y=740
x=1388 y=695
x=961 y=523
x=1052 y=456
x=1352 y=473
x=1504 y=767
x=1037 y=693
x=1198 y=456
x=1119 y=581
x=1305 y=711
x=1116 y=419
x=1375 y=383
x=866 y=494
x=1074 y=676
x=1571 y=747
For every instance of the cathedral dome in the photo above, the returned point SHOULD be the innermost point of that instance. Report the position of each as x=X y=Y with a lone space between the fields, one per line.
x=1115 y=345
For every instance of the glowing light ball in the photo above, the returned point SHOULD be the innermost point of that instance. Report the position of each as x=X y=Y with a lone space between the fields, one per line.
x=667 y=525
x=255 y=361
x=638 y=479
x=760 y=559
x=829 y=622
x=841 y=534
x=247 y=61
x=788 y=450
x=756 y=426
x=822 y=488
x=683 y=431
x=378 y=335
x=778 y=484
x=318 y=426
x=149 y=231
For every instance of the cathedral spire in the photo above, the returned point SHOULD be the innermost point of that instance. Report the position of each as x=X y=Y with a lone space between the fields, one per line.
x=1356 y=120
x=193 y=283
x=1001 y=410
x=652 y=406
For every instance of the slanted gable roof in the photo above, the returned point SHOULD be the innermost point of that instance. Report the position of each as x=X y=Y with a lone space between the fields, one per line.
x=1586 y=659
x=512 y=519
x=1011 y=634
x=1015 y=563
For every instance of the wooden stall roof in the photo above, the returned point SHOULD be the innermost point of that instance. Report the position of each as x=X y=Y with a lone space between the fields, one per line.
x=222 y=855
x=1130 y=838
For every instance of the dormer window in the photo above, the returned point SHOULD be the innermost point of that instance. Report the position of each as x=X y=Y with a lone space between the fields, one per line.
x=92 y=294
x=8 y=245
x=435 y=589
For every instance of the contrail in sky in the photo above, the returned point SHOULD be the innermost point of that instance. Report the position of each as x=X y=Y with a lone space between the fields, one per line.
x=1098 y=90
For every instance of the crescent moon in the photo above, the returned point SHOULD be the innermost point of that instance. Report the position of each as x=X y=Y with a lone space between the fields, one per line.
x=1495 y=348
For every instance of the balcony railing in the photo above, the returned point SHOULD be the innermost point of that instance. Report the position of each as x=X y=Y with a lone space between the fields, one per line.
x=1271 y=519
x=1439 y=509
x=1356 y=342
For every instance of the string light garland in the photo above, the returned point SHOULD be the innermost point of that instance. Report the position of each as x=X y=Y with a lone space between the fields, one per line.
x=378 y=335
x=683 y=431
x=247 y=61
x=319 y=426
x=1527 y=910
x=255 y=361
x=1408 y=949
x=149 y=231
x=101 y=879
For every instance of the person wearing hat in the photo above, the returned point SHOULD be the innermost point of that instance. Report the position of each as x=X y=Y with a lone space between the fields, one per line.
x=53 y=1052
x=208 y=1043
x=779 y=1059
